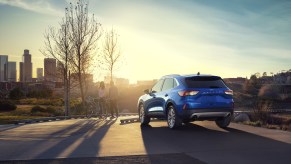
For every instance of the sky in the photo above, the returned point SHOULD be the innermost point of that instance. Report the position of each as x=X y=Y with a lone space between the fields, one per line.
x=158 y=37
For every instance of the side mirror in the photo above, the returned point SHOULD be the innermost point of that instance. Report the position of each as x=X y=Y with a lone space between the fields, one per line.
x=147 y=91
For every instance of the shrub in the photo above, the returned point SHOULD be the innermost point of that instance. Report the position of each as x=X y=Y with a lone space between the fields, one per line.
x=56 y=111
x=77 y=109
x=49 y=111
x=40 y=93
x=37 y=108
x=6 y=105
x=28 y=101
x=255 y=123
x=262 y=111
x=34 y=101
x=16 y=93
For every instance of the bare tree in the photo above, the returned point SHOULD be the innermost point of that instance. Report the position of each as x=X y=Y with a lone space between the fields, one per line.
x=74 y=44
x=59 y=46
x=84 y=33
x=111 y=51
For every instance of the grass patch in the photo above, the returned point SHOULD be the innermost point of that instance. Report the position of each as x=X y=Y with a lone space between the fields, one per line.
x=280 y=122
x=34 y=101
x=253 y=123
x=23 y=112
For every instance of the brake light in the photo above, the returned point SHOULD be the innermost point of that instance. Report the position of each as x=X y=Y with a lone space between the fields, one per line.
x=188 y=93
x=228 y=92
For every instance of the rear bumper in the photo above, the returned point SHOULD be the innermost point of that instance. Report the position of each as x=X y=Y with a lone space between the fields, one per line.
x=205 y=114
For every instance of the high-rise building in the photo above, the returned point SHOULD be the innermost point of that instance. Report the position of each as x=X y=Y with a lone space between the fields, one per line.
x=21 y=72
x=11 y=71
x=39 y=74
x=60 y=72
x=25 y=67
x=50 y=69
x=3 y=67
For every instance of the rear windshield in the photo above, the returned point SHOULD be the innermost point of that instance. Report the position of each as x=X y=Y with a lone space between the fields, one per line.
x=204 y=82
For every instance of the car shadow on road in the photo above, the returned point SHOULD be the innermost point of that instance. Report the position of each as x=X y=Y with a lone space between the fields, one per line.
x=192 y=138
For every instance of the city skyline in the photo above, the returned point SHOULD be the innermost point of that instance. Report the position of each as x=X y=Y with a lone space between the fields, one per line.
x=206 y=36
x=25 y=67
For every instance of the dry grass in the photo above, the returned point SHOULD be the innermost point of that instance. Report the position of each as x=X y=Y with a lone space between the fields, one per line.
x=24 y=112
x=280 y=122
x=10 y=119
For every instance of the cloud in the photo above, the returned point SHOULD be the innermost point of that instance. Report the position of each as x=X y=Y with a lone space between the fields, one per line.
x=38 y=6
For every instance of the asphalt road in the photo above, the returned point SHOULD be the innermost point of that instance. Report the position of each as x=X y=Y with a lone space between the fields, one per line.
x=108 y=141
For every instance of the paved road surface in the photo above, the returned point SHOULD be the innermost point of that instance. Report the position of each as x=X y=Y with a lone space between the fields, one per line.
x=93 y=141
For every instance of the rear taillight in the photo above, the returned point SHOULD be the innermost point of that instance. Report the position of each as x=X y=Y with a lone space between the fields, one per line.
x=228 y=92
x=188 y=93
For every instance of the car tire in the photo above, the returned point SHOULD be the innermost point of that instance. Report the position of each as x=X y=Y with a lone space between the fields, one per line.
x=173 y=119
x=143 y=118
x=223 y=122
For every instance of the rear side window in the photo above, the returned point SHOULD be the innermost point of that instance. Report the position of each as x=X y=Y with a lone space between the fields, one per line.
x=204 y=82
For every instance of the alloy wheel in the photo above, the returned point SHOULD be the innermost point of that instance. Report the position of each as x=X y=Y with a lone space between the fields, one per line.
x=171 y=117
x=141 y=114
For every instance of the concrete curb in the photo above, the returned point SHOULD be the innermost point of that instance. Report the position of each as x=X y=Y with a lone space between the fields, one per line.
x=59 y=118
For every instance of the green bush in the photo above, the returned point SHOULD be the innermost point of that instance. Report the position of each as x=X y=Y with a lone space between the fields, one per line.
x=28 y=101
x=56 y=111
x=40 y=93
x=34 y=101
x=37 y=108
x=6 y=105
x=16 y=93
x=49 y=111
x=77 y=109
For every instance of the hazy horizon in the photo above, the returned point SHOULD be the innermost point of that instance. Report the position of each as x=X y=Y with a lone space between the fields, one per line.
x=225 y=38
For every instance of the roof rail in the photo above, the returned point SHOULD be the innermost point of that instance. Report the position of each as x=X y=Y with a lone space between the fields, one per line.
x=172 y=75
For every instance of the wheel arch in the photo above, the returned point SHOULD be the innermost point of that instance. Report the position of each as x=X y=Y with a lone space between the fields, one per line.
x=138 y=104
x=168 y=104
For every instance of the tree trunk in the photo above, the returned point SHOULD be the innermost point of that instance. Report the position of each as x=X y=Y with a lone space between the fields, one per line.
x=65 y=93
x=81 y=88
x=111 y=78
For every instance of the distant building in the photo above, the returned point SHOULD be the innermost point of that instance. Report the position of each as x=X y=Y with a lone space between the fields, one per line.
x=3 y=67
x=60 y=70
x=87 y=77
x=21 y=72
x=288 y=80
x=87 y=81
x=11 y=71
x=34 y=80
x=282 y=78
x=39 y=74
x=50 y=69
x=266 y=80
x=25 y=67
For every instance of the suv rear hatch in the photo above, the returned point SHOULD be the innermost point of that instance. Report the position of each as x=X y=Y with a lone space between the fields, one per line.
x=208 y=92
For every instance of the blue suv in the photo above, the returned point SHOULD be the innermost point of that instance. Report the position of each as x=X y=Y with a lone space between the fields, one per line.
x=182 y=99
